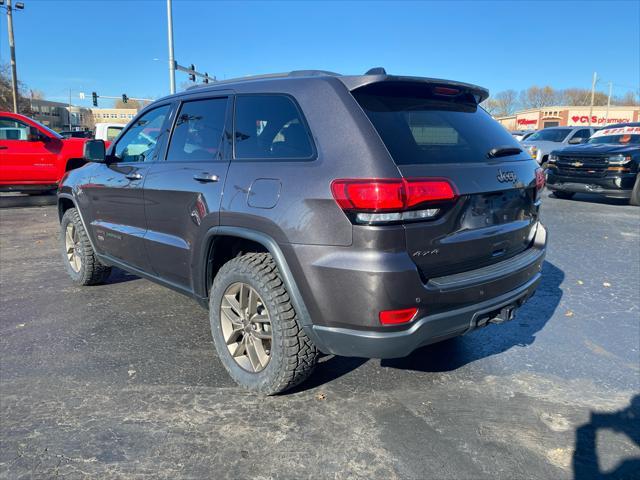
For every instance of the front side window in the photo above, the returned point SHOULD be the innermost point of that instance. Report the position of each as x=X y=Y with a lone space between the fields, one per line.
x=270 y=127
x=11 y=129
x=197 y=135
x=139 y=142
x=583 y=134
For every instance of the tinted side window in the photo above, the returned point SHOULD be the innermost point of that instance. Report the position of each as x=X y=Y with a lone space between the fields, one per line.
x=270 y=127
x=197 y=135
x=584 y=133
x=139 y=141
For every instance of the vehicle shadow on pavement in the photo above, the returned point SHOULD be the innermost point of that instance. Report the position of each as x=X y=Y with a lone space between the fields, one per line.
x=585 y=457
x=587 y=198
x=17 y=201
x=120 y=276
x=521 y=331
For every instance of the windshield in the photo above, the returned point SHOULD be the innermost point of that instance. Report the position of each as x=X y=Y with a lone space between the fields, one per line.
x=619 y=136
x=418 y=128
x=550 y=135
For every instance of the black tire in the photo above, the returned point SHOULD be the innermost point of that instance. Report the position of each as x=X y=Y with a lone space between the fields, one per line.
x=292 y=355
x=91 y=271
x=635 y=193
x=563 y=195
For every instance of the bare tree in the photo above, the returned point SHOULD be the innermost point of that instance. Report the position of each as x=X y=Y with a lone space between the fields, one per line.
x=537 y=97
x=6 y=93
x=579 y=97
x=629 y=99
x=130 y=104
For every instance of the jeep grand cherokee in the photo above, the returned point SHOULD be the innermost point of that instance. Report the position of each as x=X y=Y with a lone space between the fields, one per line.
x=311 y=212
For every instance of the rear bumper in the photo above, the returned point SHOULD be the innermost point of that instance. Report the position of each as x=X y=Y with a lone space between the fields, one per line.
x=426 y=330
x=345 y=290
x=616 y=186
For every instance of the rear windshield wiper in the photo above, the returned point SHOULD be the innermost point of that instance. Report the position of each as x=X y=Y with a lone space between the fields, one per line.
x=503 y=151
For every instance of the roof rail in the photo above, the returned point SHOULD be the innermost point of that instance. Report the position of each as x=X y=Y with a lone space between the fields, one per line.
x=294 y=73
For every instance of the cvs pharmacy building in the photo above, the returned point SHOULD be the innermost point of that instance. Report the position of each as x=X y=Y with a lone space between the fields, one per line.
x=535 y=119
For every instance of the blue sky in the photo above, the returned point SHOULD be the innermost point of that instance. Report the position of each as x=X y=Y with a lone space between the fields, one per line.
x=114 y=47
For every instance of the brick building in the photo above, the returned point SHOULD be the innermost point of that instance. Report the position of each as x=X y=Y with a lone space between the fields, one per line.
x=562 y=116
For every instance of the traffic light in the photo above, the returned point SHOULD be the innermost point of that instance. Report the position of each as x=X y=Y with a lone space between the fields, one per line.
x=192 y=76
x=94 y=96
x=125 y=99
x=206 y=78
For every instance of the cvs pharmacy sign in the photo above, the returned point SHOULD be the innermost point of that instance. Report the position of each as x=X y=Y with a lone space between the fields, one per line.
x=596 y=120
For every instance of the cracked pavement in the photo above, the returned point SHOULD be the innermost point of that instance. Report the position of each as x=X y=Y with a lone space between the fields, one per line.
x=121 y=380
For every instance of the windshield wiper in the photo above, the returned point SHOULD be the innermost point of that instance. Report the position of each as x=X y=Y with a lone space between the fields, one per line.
x=503 y=152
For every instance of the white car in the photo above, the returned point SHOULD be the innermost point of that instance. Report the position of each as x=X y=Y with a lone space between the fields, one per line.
x=108 y=131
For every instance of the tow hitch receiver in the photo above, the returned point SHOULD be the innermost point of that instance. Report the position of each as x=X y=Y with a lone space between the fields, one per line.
x=501 y=315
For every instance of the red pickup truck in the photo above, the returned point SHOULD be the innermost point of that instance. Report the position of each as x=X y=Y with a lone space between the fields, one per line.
x=33 y=157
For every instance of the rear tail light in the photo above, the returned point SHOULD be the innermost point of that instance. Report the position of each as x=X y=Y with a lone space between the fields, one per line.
x=395 y=317
x=391 y=200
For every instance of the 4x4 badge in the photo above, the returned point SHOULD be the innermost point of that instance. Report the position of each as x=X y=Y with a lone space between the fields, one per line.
x=508 y=176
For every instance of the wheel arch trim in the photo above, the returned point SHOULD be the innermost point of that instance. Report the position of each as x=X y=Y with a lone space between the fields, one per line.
x=69 y=196
x=272 y=247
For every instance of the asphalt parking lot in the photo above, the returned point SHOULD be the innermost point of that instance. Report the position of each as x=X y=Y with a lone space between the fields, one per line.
x=121 y=380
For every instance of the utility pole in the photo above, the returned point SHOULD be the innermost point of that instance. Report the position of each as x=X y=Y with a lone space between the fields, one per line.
x=70 y=127
x=606 y=118
x=12 y=50
x=593 y=93
x=172 y=61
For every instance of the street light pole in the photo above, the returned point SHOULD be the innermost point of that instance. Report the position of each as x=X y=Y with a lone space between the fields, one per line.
x=172 y=61
x=593 y=93
x=12 y=49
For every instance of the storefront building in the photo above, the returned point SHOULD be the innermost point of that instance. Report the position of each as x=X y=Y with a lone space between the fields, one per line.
x=558 y=116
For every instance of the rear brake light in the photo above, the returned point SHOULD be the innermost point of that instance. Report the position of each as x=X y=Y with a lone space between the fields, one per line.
x=385 y=195
x=446 y=91
x=394 y=317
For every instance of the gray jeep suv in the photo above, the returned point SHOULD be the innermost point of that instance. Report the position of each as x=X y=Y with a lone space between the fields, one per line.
x=312 y=212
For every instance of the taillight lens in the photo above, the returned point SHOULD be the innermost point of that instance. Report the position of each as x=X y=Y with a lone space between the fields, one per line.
x=372 y=195
x=384 y=195
x=395 y=317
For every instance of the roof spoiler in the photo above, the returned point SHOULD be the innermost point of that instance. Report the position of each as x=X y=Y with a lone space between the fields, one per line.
x=372 y=76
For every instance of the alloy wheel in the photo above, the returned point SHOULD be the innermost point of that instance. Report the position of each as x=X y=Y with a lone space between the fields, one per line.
x=72 y=246
x=246 y=327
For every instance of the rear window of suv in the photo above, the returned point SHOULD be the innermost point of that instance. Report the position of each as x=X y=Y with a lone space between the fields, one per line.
x=418 y=127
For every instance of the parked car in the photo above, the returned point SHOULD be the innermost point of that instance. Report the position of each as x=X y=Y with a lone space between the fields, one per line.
x=542 y=142
x=33 y=158
x=311 y=212
x=522 y=135
x=608 y=164
x=108 y=131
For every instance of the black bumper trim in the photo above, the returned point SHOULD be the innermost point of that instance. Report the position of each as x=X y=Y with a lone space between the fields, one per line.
x=486 y=274
x=430 y=329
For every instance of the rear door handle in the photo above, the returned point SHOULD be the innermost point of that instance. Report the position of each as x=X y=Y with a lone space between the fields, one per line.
x=133 y=176
x=206 y=177
x=3 y=148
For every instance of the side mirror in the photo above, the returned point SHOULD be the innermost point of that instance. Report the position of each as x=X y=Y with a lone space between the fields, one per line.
x=94 y=151
x=576 y=140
